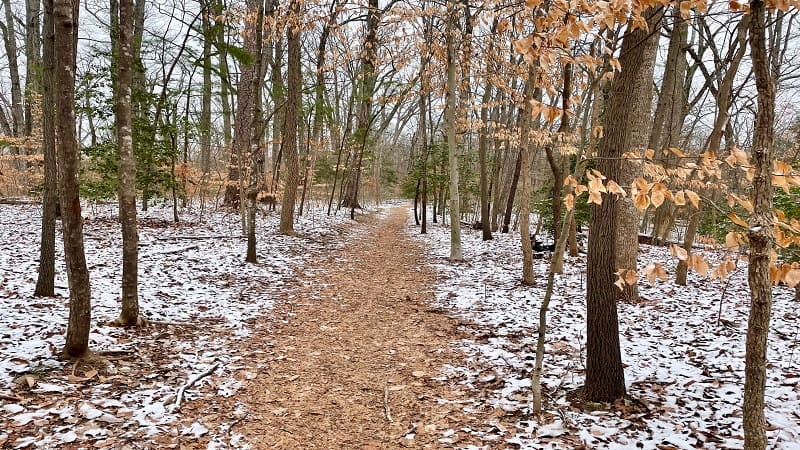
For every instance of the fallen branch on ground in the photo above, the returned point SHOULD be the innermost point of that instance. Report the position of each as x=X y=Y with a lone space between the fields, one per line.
x=172 y=250
x=190 y=382
x=18 y=201
x=190 y=237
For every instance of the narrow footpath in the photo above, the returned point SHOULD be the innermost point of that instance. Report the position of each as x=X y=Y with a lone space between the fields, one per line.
x=352 y=360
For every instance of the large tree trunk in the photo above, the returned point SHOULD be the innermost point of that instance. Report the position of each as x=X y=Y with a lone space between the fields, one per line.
x=450 y=125
x=291 y=125
x=65 y=23
x=629 y=112
x=45 y=283
x=127 y=171
x=245 y=138
x=626 y=109
x=760 y=235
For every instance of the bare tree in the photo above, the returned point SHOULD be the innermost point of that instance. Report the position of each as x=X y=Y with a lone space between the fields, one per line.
x=450 y=124
x=127 y=170
x=45 y=283
x=760 y=234
x=293 y=91
x=65 y=16
x=626 y=111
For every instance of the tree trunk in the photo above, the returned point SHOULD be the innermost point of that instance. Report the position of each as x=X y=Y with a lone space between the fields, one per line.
x=246 y=137
x=760 y=235
x=224 y=76
x=291 y=124
x=626 y=109
x=525 y=125
x=423 y=130
x=483 y=144
x=129 y=315
x=450 y=125
x=45 y=283
x=65 y=24
x=724 y=97
x=33 y=64
x=279 y=115
x=633 y=94
x=10 y=36
x=691 y=232
x=669 y=117
x=366 y=90
x=512 y=193
x=205 y=109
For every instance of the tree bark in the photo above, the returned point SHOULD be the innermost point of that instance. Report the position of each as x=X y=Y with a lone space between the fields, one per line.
x=33 y=64
x=605 y=378
x=669 y=117
x=65 y=25
x=45 y=283
x=525 y=125
x=205 y=103
x=10 y=37
x=483 y=148
x=629 y=113
x=127 y=169
x=512 y=193
x=760 y=235
x=294 y=87
x=450 y=125
x=423 y=126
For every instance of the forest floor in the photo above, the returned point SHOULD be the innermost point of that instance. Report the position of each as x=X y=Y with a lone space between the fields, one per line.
x=365 y=336
x=356 y=365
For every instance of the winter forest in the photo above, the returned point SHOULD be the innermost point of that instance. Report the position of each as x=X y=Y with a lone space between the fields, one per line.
x=369 y=224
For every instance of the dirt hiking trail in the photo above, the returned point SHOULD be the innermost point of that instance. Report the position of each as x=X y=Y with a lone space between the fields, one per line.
x=350 y=361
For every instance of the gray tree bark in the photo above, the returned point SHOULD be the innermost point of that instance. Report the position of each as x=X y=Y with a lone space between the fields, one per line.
x=127 y=169
x=65 y=14
x=293 y=91
x=760 y=235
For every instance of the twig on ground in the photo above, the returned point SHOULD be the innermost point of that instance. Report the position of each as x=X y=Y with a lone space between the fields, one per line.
x=190 y=382
x=9 y=398
x=386 y=408
x=410 y=430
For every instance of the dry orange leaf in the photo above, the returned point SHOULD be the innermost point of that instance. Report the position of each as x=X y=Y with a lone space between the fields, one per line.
x=678 y=252
x=737 y=220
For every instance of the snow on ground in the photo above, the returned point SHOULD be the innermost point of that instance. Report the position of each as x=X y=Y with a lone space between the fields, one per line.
x=685 y=368
x=199 y=295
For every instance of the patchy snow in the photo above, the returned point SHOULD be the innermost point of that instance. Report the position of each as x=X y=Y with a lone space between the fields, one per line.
x=683 y=365
x=196 y=291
